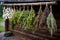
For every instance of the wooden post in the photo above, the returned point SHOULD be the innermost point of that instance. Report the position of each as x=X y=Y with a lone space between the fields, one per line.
x=7 y=24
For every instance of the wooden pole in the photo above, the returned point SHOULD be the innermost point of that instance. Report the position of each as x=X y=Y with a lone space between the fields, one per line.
x=37 y=3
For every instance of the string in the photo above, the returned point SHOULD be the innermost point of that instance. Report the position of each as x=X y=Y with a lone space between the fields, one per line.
x=46 y=4
x=27 y=8
x=50 y=8
x=31 y=7
x=20 y=8
x=23 y=7
x=14 y=8
x=40 y=9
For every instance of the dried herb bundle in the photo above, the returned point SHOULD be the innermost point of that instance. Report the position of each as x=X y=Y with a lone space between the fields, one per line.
x=30 y=19
x=37 y=19
x=51 y=23
x=13 y=20
x=44 y=16
x=24 y=19
x=20 y=16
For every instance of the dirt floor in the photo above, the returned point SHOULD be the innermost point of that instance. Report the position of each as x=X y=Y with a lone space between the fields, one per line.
x=2 y=37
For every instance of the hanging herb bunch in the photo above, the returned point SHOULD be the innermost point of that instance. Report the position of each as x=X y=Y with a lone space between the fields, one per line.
x=44 y=16
x=51 y=23
x=37 y=19
x=7 y=12
x=14 y=19
x=24 y=19
x=20 y=17
x=30 y=19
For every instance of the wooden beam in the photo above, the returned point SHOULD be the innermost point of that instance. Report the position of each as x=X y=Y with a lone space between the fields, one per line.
x=37 y=3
